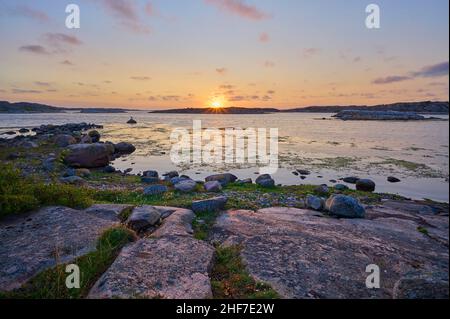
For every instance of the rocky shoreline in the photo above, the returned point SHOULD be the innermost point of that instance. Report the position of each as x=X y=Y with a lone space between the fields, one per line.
x=295 y=241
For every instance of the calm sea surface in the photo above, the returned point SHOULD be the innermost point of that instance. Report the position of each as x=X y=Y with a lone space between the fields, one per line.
x=415 y=152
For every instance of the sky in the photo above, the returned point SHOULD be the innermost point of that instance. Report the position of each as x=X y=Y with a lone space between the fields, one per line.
x=160 y=54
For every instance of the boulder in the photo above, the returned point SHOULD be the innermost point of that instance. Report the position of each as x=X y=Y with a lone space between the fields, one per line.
x=265 y=181
x=314 y=202
x=149 y=180
x=341 y=187
x=86 y=139
x=171 y=174
x=143 y=217
x=151 y=174
x=155 y=190
x=124 y=148
x=365 y=185
x=223 y=179
x=345 y=207
x=186 y=186
x=303 y=172
x=64 y=140
x=109 y=169
x=88 y=155
x=213 y=187
x=392 y=179
x=95 y=136
x=351 y=179
x=131 y=121
x=49 y=163
x=244 y=181
x=209 y=205
x=24 y=130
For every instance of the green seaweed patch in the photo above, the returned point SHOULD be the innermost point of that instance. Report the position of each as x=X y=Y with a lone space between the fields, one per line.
x=417 y=168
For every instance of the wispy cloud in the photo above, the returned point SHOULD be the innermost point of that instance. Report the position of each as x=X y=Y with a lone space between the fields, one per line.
x=310 y=52
x=221 y=71
x=264 y=37
x=67 y=62
x=269 y=64
x=58 y=39
x=44 y=84
x=35 y=49
x=391 y=79
x=27 y=12
x=431 y=71
x=140 y=78
x=127 y=13
x=25 y=91
x=239 y=8
x=440 y=69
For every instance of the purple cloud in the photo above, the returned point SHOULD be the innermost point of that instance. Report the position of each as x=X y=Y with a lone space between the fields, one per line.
x=239 y=8
x=35 y=49
x=391 y=79
x=440 y=69
x=127 y=13
x=28 y=12
x=56 y=39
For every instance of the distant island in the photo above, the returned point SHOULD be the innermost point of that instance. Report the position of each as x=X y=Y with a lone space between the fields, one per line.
x=427 y=107
x=24 y=107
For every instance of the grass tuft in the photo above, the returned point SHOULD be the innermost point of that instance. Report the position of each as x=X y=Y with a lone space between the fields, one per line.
x=230 y=279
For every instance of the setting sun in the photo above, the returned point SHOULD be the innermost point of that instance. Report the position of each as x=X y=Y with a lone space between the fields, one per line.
x=216 y=104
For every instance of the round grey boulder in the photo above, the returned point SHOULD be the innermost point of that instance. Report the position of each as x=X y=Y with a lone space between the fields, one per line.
x=392 y=179
x=155 y=190
x=365 y=185
x=265 y=181
x=223 y=179
x=186 y=186
x=345 y=207
x=341 y=187
x=64 y=140
x=213 y=187
x=314 y=202
x=143 y=217
x=351 y=179
x=209 y=205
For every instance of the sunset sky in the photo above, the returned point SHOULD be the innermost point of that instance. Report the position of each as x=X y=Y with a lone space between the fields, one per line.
x=156 y=54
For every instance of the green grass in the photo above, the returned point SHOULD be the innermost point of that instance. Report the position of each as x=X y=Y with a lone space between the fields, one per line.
x=203 y=223
x=423 y=230
x=50 y=284
x=19 y=194
x=230 y=279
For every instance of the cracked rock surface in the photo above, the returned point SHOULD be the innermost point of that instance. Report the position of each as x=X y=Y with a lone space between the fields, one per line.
x=304 y=254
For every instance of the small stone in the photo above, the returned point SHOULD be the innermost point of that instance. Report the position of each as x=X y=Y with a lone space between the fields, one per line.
x=155 y=190
x=109 y=169
x=151 y=173
x=24 y=130
x=244 y=181
x=315 y=202
x=124 y=148
x=171 y=174
x=143 y=217
x=345 y=207
x=64 y=140
x=223 y=179
x=365 y=185
x=209 y=205
x=303 y=172
x=95 y=136
x=265 y=181
x=392 y=179
x=341 y=187
x=213 y=187
x=186 y=186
